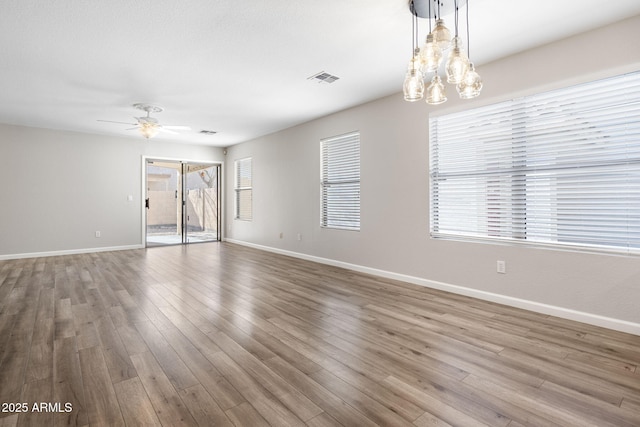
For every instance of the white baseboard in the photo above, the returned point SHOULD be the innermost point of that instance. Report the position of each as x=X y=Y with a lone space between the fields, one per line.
x=565 y=313
x=69 y=252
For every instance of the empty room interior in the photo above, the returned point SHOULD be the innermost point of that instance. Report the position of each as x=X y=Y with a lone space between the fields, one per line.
x=338 y=213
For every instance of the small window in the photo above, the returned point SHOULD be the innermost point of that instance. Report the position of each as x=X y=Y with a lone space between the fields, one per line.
x=243 y=189
x=560 y=168
x=340 y=181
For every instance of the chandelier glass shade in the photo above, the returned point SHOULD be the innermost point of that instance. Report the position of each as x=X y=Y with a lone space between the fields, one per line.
x=441 y=35
x=471 y=84
x=428 y=59
x=436 y=93
x=413 y=85
x=457 y=63
x=430 y=54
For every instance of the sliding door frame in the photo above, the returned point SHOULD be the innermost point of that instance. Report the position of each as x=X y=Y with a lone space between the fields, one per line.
x=143 y=194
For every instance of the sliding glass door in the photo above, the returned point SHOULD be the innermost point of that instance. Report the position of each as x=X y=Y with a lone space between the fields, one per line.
x=163 y=203
x=201 y=211
x=182 y=202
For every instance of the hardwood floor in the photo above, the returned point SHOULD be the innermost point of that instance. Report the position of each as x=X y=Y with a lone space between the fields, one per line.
x=220 y=334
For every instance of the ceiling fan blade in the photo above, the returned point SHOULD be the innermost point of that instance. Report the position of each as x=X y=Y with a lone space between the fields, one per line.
x=133 y=128
x=122 y=123
x=177 y=127
x=162 y=129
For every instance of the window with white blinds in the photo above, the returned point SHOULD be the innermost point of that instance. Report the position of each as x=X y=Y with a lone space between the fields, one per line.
x=243 y=189
x=340 y=181
x=557 y=168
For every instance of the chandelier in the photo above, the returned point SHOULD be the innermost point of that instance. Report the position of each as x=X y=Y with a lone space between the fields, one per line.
x=459 y=70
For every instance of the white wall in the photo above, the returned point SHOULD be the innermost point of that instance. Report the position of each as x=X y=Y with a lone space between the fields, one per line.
x=394 y=237
x=58 y=188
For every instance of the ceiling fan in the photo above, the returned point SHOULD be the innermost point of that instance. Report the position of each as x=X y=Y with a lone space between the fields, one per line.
x=149 y=126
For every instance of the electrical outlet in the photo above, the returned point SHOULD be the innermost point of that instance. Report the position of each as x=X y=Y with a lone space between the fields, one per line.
x=501 y=267
x=97 y=234
x=281 y=235
x=299 y=236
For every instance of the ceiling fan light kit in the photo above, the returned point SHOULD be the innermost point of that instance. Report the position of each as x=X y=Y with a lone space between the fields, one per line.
x=458 y=69
x=148 y=125
x=148 y=130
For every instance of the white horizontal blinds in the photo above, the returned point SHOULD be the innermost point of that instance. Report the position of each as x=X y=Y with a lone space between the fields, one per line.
x=561 y=167
x=340 y=181
x=244 y=189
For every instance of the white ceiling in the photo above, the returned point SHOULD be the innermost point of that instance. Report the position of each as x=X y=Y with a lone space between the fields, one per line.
x=238 y=67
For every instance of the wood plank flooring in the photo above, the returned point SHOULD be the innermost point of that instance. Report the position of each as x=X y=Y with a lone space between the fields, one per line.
x=220 y=334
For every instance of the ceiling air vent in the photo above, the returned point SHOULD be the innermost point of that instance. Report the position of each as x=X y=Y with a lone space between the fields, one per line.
x=323 y=77
x=208 y=132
